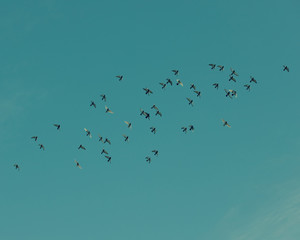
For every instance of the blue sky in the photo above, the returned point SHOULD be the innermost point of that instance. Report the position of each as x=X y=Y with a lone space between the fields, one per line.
x=239 y=183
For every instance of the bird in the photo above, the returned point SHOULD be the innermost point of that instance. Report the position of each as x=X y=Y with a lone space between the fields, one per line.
x=193 y=86
x=108 y=158
x=163 y=85
x=35 y=138
x=155 y=152
x=148 y=159
x=198 y=93
x=285 y=68
x=81 y=147
x=42 y=146
x=184 y=129
x=190 y=101
x=120 y=77
x=227 y=93
x=126 y=138
x=252 y=79
x=104 y=151
x=179 y=82
x=17 y=167
x=154 y=107
x=93 y=104
x=147 y=115
x=158 y=113
x=78 y=165
x=212 y=65
x=108 y=110
x=247 y=86
x=233 y=72
x=57 y=126
x=216 y=85
x=103 y=97
x=175 y=72
x=169 y=81
x=107 y=141
x=142 y=112
x=191 y=128
x=225 y=123
x=129 y=125
x=233 y=92
x=100 y=138
x=147 y=91
x=88 y=133
x=153 y=129
x=221 y=68
x=232 y=78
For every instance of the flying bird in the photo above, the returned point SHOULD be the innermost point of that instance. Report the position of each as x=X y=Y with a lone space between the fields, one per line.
x=158 y=113
x=227 y=93
x=108 y=110
x=100 y=138
x=233 y=72
x=81 y=147
x=147 y=91
x=225 y=123
x=198 y=93
x=78 y=165
x=247 y=86
x=212 y=65
x=103 y=97
x=233 y=92
x=154 y=107
x=285 y=68
x=169 y=81
x=126 y=138
x=17 y=167
x=57 y=126
x=104 y=151
x=42 y=146
x=108 y=158
x=216 y=85
x=35 y=138
x=221 y=68
x=190 y=101
x=232 y=78
x=252 y=79
x=93 y=104
x=179 y=82
x=175 y=72
x=184 y=129
x=88 y=133
x=191 y=128
x=163 y=85
x=129 y=125
x=193 y=87
x=107 y=141
x=120 y=77
x=147 y=115
x=153 y=129
x=155 y=152
x=148 y=159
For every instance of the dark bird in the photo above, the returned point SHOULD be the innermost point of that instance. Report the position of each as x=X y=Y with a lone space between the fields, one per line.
x=57 y=126
x=42 y=146
x=169 y=81
x=247 y=86
x=158 y=113
x=191 y=128
x=233 y=92
x=233 y=72
x=198 y=93
x=221 y=68
x=179 y=82
x=154 y=107
x=163 y=85
x=107 y=141
x=232 y=78
x=147 y=115
x=153 y=129
x=147 y=91
x=184 y=129
x=88 y=133
x=190 y=101
x=81 y=147
x=17 y=167
x=285 y=68
x=175 y=72
x=148 y=159
x=100 y=138
x=129 y=125
x=93 y=104
x=212 y=65
x=227 y=93
x=225 y=123
x=35 y=138
x=103 y=97
x=193 y=87
x=216 y=85
x=108 y=158
x=78 y=165
x=126 y=138
x=120 y=77
x=108 y=110
x=104 y=151
x=155 y=152
x=252 y=79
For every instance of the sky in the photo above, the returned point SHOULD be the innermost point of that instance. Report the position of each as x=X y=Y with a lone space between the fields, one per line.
x=237 y=183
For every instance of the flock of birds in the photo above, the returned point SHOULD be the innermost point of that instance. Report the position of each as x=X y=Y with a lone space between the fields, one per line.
x=228 y=93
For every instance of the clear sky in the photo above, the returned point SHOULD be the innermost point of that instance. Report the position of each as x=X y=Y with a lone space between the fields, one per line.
x=238 y=183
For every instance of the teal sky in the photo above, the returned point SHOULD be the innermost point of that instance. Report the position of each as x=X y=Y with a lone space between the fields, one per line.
x=239 y=183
